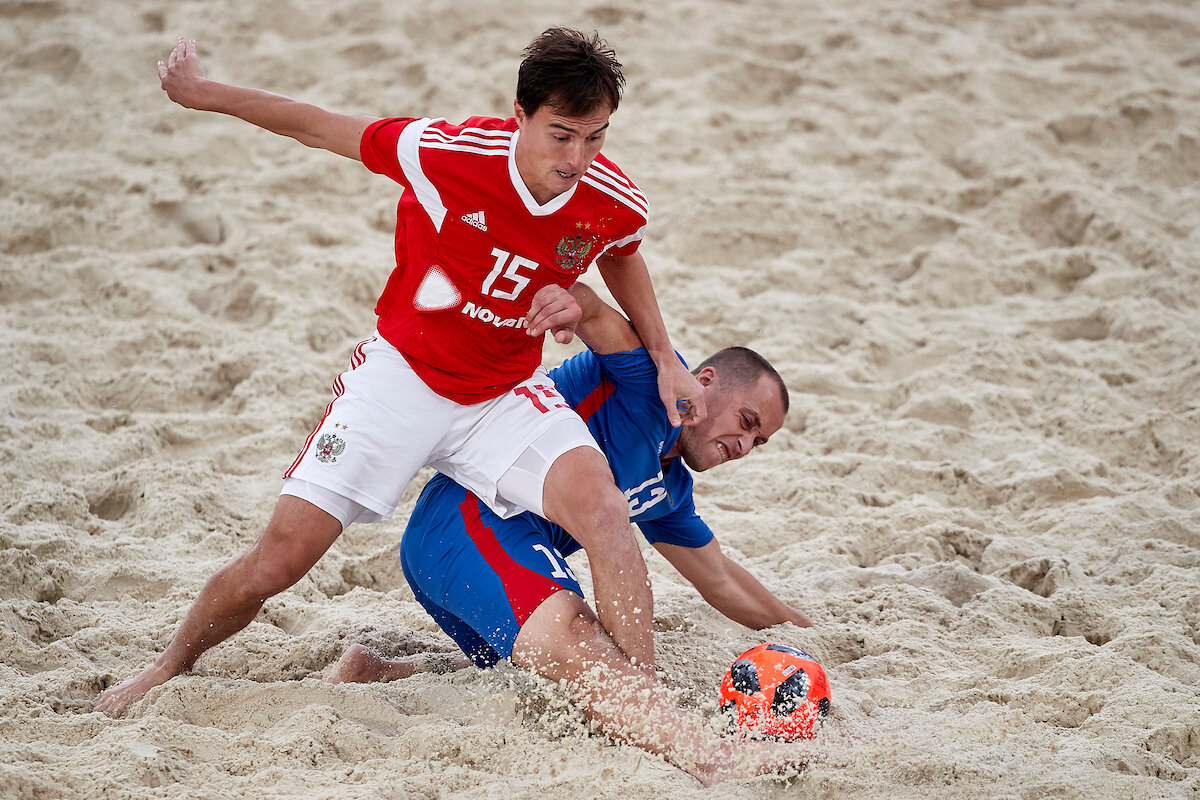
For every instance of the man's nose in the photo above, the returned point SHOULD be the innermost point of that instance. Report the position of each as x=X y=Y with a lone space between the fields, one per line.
x=744 y=445
x=575 y=154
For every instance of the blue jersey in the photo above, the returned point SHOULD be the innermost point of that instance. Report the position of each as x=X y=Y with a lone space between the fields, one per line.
x=617 y=396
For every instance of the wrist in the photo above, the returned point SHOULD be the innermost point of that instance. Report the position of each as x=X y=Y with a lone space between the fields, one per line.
x=201 y=94
x=663 y=356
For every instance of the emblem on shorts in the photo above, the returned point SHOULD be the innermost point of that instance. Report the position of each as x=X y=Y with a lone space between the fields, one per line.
x=329 y=447
x=572 y=250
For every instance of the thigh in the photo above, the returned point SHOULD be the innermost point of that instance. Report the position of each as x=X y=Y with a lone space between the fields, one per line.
x=580 y=495
x=563 y=639
x=382 y=425
x=528 y=427
x=343 y=509
x=488 y=573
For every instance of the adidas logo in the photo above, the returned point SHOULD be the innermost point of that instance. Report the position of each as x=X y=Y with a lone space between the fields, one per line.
x=475 y=220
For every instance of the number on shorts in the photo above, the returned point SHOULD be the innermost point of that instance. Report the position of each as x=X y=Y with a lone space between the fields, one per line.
x=549 y=392
x=559 y=567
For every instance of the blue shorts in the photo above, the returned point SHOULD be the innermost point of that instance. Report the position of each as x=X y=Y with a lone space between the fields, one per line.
x=480 y=576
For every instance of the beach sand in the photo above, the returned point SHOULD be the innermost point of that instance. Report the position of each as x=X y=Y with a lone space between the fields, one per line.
x=965 y=232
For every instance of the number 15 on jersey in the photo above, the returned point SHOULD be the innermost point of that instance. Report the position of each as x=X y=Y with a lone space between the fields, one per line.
x=508 y=270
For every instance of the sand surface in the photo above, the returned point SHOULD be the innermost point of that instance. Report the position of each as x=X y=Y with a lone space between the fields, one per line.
x=966 y=232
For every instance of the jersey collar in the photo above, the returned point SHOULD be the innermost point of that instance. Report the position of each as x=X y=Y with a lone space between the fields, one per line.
x=532 y=205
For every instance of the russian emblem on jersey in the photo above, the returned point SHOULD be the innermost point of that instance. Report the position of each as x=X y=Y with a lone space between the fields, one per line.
x=572 y=252
x=329 y=447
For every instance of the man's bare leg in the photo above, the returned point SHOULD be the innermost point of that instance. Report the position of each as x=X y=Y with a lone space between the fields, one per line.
x=297 y=536
x=563 y=640
x=579 y=494
x=360 y=664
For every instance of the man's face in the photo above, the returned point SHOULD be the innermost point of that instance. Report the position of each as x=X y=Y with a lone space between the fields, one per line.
x=739 y=419
x=554 y=151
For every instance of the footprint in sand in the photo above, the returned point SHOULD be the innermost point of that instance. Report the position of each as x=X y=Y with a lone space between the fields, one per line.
x=237 y=300
x=1057 y=219
x=58 y=60
x=194 y=224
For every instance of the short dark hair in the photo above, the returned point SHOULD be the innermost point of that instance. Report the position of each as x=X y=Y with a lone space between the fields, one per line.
x=741 y=366
x=571 y=71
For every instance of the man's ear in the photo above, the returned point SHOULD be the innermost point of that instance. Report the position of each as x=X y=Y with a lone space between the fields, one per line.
x=707 y=377
x=519 y=113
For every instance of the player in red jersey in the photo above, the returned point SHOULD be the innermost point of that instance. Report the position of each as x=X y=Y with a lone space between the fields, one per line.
x=496 y=219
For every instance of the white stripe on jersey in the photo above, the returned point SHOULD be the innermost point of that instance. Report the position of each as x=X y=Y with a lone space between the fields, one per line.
x=615 y=194
x=637 y=236
x=480 y=135
x=409 y=156
x=466 y=148
x=619 y=181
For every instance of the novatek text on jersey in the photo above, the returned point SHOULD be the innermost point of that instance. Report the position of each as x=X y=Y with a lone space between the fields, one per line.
x=491 y=317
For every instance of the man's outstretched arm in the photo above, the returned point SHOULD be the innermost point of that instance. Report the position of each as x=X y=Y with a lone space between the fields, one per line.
x=730 y=588
x=186 y=82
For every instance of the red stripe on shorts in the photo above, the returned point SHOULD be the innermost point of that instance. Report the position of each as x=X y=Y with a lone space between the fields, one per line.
x=525 y=588
x=356 y=360
x=591 y=404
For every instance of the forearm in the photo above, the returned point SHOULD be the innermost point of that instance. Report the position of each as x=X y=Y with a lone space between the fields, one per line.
x=746 y=601
x=267 y=110
x=629 y=282
x=589 y=302
x=308 y=124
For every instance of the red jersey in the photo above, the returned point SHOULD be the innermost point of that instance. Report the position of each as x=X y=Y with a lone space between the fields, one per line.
x=473 y=246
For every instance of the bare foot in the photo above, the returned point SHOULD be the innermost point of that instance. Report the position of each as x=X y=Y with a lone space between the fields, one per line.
x=360 y=664
x=116 y=701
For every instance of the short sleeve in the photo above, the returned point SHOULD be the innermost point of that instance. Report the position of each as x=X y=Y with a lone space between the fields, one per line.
x=682 y=527
x=628 y=245
x=379 y=144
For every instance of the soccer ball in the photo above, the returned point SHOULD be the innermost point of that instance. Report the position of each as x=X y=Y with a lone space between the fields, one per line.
x=776 y=690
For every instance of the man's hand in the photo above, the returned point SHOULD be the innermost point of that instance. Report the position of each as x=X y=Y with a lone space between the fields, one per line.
x=681 y=394
x=553 y=309
x=186 y=82
x=182 y=74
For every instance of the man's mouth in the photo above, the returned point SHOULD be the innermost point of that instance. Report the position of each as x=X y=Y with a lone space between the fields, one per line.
x=566 y=176
x=723 y=451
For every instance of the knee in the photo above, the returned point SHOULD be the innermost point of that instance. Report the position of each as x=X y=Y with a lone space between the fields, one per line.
x=577 y=643
x=252 y=578
x=579 y=494
x=601 y=509
x=267 y=568
x=269 y=574
x=584 y=635
x=296 y=537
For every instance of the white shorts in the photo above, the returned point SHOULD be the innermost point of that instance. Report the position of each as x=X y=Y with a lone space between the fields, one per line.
x=384 y=423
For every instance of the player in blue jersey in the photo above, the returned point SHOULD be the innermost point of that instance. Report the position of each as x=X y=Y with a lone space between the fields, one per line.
x=503 y=588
